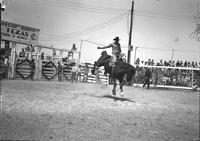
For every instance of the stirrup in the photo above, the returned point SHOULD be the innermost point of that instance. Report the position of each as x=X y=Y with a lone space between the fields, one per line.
x=113 y=69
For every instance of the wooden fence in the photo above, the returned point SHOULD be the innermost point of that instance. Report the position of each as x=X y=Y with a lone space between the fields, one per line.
x=35 y=67
x=49 y=70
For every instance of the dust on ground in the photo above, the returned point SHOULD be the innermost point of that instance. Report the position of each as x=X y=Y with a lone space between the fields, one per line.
x=64 y=111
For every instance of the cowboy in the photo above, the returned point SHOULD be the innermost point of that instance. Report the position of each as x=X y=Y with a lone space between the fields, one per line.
x=147 y=78
x=116 y=50
x=74 y=71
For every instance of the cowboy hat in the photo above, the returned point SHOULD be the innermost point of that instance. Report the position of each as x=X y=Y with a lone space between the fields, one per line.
x=116 y=38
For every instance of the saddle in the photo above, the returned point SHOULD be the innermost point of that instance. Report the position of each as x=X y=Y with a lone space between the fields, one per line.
x=113 y=64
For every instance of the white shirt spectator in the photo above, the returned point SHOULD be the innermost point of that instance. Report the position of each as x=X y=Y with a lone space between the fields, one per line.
x=74 y=68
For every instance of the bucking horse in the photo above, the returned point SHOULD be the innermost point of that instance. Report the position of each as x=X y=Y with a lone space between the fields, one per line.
x=121 y=69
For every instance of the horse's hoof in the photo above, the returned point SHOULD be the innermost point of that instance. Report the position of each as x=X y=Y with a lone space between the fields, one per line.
x=113 y=92
x=122 y=94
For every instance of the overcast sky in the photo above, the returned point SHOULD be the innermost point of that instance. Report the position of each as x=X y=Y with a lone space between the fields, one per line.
x=161 y=24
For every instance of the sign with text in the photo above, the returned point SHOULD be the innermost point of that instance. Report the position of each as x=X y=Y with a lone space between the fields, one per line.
x=19 y=33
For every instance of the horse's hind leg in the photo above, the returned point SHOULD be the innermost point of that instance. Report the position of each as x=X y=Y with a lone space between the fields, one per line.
x=114 y=87
x=121 y=88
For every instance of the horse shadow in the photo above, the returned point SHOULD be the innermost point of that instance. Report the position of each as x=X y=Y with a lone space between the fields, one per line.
x=115 y=98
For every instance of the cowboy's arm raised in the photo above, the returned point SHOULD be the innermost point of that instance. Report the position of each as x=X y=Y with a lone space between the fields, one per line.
x=104 y=47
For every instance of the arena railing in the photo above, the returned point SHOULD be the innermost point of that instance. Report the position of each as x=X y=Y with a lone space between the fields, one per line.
x=169 y=77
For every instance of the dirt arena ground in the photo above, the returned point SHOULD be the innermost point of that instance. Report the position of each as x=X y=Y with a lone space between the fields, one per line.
x=61 y=111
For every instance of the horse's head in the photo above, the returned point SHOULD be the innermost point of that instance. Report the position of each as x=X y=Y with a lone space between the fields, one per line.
x=102 y=61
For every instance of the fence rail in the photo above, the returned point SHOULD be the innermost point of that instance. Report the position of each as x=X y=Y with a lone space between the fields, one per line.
x=170 y=76
x=161 y=75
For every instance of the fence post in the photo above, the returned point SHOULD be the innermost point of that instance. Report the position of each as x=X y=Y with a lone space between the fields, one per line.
x=37 y=64
x=192 y=78
x=13 y=60
x=40 y=69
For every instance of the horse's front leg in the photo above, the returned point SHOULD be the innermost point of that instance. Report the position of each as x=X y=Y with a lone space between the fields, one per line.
x=114 y=87
x=121 y=88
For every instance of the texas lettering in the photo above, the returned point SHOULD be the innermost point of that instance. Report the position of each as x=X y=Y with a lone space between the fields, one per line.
x=17 y=32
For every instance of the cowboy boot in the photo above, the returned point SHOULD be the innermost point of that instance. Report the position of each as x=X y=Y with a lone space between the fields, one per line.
x=113 y=69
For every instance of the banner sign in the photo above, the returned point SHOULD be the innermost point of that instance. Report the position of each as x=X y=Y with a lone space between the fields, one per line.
x=19 y=33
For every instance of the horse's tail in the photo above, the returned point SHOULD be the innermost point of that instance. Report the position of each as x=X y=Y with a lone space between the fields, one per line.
x=130 y=74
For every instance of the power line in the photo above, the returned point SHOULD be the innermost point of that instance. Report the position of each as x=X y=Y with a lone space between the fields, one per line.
x=164 y=14
x=90 y=29
x=82 y=8
x=85 y=31
x=166 y=18
x=151 y=14
x=96 y=8
x=89 y=8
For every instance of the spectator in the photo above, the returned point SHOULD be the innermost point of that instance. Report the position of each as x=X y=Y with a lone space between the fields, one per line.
x=147 y=78
x=149 y=62
x=137 y=62
x=161 y=63
x=78 y=77
x=181 y=64
x=6 y=65
x=74 y=71
x=86 y=71
x=28 y=48
x=42 y=56
x=142 y=63
x=157 y=64
x=170 y=63
x=74 y=48
x=54 y=52
x=22 y=53
x=177 y=64
x=193 y=64
x=165 y=63
x=196 y=64
x=189 y=65
x=185 y=64
x=152 y=62
x=173 y=64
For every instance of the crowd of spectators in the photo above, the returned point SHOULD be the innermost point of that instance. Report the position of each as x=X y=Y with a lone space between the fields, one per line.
x=173 y=77
x=151 y=62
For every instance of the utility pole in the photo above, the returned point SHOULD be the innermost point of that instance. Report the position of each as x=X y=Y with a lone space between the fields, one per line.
x=80 y=50
x=1 y=96
x=130 y=34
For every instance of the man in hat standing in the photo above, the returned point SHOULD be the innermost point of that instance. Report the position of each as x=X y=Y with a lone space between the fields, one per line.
x=116 y=50
x=147 y=78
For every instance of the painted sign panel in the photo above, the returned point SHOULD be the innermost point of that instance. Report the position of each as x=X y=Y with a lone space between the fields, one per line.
x=19 y=33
